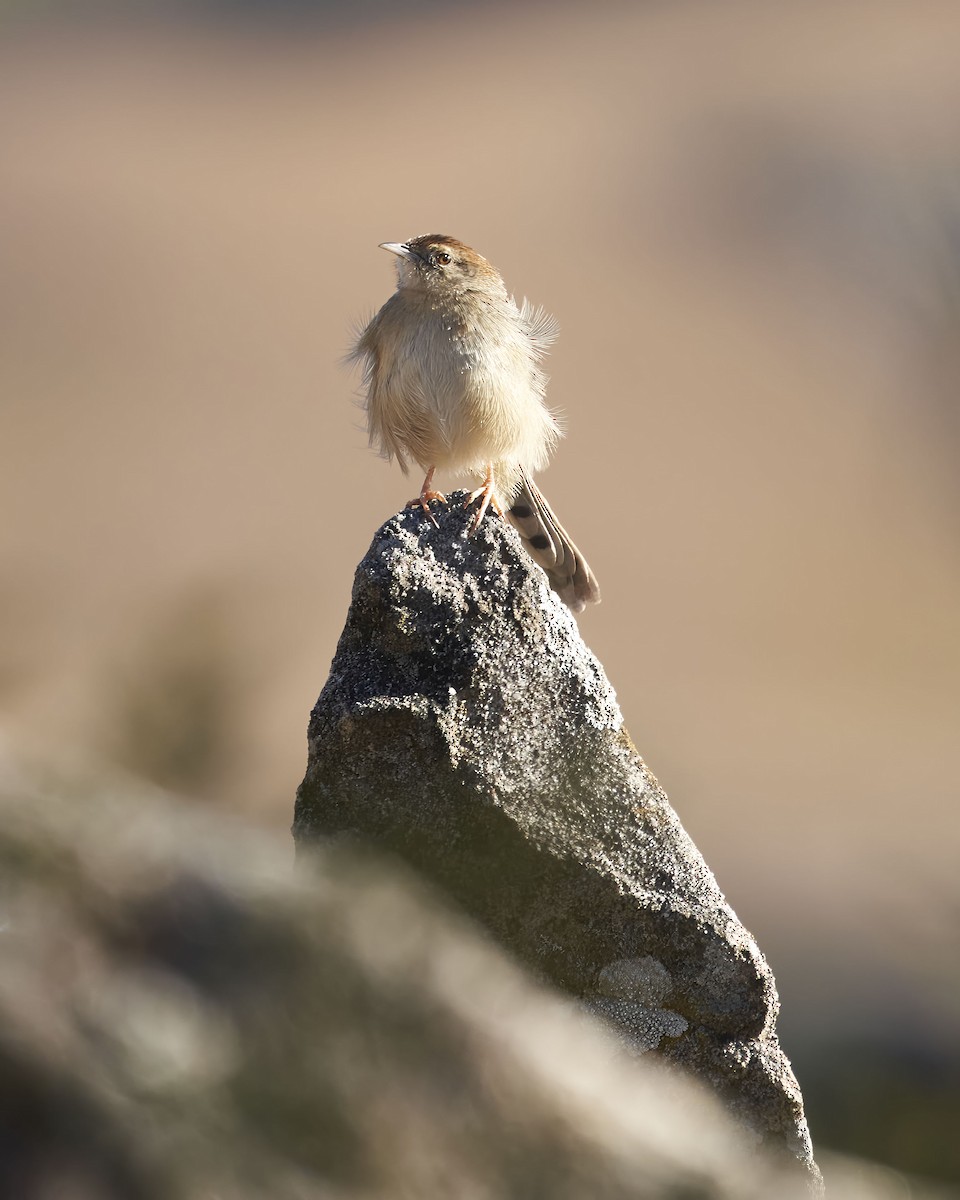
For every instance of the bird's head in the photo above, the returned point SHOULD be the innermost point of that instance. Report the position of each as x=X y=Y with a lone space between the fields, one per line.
x=437 y=263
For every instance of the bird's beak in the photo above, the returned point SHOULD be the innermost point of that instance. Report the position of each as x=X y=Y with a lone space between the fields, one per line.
x=400 y=248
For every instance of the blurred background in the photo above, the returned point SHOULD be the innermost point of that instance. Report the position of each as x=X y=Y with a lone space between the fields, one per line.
x=746 y=218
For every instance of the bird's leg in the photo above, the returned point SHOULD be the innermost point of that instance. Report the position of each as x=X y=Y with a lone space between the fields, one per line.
x=486 y=497
x=426 y=495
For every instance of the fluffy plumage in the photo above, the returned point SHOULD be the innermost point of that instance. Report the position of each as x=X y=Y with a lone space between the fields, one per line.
x=452 y=381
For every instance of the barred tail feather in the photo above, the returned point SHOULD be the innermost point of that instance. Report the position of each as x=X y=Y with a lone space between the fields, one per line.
x=549 y=544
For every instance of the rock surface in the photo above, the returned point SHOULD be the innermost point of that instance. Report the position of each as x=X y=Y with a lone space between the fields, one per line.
x=182 y=1017
x=466 y=728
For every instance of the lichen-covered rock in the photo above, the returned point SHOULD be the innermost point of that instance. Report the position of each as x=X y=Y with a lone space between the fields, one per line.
x=466 y=727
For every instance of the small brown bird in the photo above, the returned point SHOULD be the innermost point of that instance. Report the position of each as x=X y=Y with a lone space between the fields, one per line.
x=452 y=382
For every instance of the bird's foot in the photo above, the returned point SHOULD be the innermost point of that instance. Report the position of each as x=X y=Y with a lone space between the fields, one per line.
x=423 y=502
x=487 y=500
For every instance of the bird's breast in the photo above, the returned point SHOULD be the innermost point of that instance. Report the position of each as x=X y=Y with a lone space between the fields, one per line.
x=464 y=382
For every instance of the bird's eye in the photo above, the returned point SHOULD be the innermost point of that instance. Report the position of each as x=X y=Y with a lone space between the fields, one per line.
x=443 y=258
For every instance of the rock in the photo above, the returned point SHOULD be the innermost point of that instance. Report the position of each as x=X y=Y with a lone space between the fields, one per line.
x=182 y=1016
x=466 y=728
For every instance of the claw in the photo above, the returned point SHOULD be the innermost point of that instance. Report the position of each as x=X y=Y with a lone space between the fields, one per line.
x=426 y=495
x=487 y=499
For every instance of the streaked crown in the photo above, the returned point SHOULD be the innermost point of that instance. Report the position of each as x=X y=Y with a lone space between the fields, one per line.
x=436 y=260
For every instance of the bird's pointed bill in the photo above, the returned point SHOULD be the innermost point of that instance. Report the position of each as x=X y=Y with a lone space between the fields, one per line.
x=399 y=248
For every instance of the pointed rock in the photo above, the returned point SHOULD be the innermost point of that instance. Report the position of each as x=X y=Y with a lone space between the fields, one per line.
x=467 y=728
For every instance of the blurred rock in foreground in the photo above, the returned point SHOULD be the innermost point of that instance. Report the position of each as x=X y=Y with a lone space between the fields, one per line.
x=466 y=727
x=182 y=1016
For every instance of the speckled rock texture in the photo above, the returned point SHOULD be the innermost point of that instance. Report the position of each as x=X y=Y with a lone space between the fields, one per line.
x=466 y=728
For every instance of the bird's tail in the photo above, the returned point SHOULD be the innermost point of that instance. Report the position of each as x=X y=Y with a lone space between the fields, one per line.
x=551 y=546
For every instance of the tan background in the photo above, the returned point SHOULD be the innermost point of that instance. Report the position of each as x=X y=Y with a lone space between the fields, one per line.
x=746 y=218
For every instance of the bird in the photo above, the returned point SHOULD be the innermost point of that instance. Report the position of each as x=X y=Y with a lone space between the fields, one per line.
x=452 y=382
